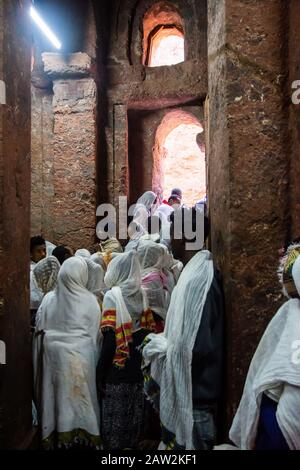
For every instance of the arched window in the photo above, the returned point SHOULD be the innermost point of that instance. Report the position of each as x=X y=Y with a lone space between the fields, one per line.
x=163 y=36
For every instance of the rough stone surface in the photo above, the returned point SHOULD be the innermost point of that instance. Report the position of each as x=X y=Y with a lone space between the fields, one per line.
x=294 y=116
x=74 y=167
x=248 y=170
x=57 y=65
x=126 y=81
x=15 y=378
x=42 y=161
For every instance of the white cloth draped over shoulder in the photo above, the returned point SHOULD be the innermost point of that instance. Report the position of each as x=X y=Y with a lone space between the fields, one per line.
x=70 y=317
x=123 y=277
x=274 y=370
x=170 y=353
x=154 y=281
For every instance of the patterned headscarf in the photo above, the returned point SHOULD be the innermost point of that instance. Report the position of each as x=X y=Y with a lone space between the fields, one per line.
x=46 y=272
x=285 y=271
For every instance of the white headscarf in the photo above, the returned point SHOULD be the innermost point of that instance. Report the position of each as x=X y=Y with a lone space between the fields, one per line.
x=171 y=352
x=123 y=277
x=96 y=275
x=98 y=258
x=45 y=273
x=147 y=200
x=142 y=211
x=274 y=370
x=154 y=281
x=49 y=248
x=70 y=317
x=83 y=253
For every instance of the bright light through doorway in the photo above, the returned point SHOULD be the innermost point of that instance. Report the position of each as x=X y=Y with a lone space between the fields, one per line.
x=184 y=164
x=167 y=50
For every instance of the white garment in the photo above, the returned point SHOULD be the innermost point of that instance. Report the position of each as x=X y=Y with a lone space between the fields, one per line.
x=170 y=353
x=272 y=368
x=98 y=258
x=96 y=275
x=152 y=258
x=163 y=212
x=70 y=317
x=83 y=253
x=49 y=248
x=123 y=277
x=141 y=212
x=36 y=294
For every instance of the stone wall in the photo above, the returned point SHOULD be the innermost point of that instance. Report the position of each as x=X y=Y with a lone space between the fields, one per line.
x=293 y=66
x=248 y=169
x=15 y=378
x=146 y=93
x=64 y=131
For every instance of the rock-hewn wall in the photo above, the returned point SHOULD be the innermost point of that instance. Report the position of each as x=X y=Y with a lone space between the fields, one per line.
x=145 y=92
x=248 y=168
x=15 y=376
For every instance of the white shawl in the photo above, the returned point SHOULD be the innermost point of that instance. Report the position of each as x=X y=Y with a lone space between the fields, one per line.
x=170 y=353
x=70 y=317
x=152 y=258
x=272 y=370
x=275 y=370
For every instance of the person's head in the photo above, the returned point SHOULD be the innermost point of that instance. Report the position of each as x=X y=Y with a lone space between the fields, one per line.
x=46 y=272
x=62 y=253
x=37 y=248
x=286 y=271
x=83 y=253
x=73 y=274
x=148 y=199
x=175 y=198
x=183 y=223
x=111 y=245
x=96 y=275
x=124 y=271
x=151 y=254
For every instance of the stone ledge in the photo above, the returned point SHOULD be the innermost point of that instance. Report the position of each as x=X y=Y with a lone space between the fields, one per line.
x=57 y=65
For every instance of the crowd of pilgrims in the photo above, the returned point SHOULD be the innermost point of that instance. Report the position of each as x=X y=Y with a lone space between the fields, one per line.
x=128 y=344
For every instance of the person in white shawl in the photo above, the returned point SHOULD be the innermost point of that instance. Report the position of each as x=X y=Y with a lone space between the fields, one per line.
x=171 y=352
x=185 y=361
x=154 y=281
x=95 y=282
x=65 y=360
x=126 y=320
x=268 y=416
x=142 y=210
x=43 y=279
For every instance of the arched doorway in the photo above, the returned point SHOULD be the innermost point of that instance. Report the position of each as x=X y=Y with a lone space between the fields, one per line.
x=163 y=31
x=178 y=159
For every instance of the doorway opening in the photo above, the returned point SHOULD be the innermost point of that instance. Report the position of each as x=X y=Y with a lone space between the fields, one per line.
x=179 y=157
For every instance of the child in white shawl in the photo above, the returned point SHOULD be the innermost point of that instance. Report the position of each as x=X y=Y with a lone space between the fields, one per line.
x=65 y=385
